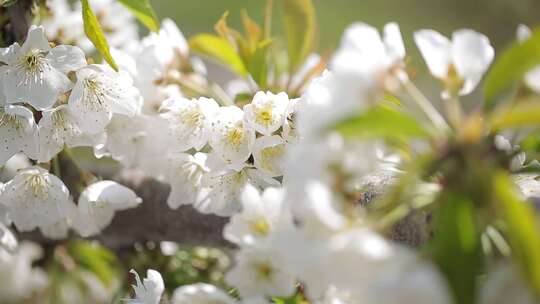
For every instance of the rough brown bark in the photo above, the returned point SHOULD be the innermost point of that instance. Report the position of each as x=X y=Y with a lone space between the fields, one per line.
x=17 y=26
x=153 y=220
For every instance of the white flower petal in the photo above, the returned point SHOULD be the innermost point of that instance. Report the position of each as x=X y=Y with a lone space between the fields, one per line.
x=18 y=133
x=471 y=55
x=200 y=293
x=35 y=40
x=523 y=33
x=36 y=198
x=98 y=203
x=393 y=41
x=532 y=79
x=185 y=178
x=148 y=291
x=100 y=92
x=189 y=121
x=436 y=50
x=267 y=112
x=268 y=154
x=67 y=58
x=171 y=30
x=40 y=89
x=232 y=139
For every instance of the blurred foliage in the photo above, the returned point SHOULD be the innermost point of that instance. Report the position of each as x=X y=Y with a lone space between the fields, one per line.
x=271 y=60
x=512 y=64
x=85 y=272
x=382 y=121
x=144 y=12
x=180 y=265
x=333 y=16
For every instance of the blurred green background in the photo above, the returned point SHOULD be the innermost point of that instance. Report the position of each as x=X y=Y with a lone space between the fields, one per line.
x=496 y=18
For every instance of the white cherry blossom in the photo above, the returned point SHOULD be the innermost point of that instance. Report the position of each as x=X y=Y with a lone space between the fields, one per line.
x=190 y=121
x=99 y=202
x=267 y=112
x=327 y=100
x=98 y=93
x=261 y=215
x=139 y=142
x=460 y=62
x=269 y=154
x=185 y=176
x=150 y=290
x=59 y=127
x=361 y=254
x=60 y=229
x=164 y=58
x=232 y=139
x=36 y=198
x=18 y=132
x=64 y=24
x=18 y=264
x=325 y=193
x=36 y=73
x=258 y=273
x=125 y=139
x=200 y=293
x=222 y=189
x=369 y=60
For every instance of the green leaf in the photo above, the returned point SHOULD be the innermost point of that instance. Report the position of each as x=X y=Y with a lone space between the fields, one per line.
x=257 y=64
x=96 y=259
x=382 y=121
x=521 y=114
x=392 y=99
x=143 y=11
x=95 y=34
x=299 y=26
x=531 y=142
x=456 y=246
x=510 y=67
x=297 y=298
x=219 y=49
x=523 y=229
x=251 y=28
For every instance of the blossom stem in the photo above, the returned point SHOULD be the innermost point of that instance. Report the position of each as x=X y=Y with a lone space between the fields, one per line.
x=454 y=111
x=56 y=167
x=426 y=106
x=75 y=178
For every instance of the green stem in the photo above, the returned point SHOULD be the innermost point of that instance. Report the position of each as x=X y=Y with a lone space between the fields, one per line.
x=454 y=111
x=56 y=167
x=75 y=178
x=426 y=106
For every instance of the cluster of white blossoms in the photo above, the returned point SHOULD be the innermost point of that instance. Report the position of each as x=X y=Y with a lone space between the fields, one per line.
x=16 y=262
x=311 y=231
x=51 y=98
x=63 y=24
x=244 y=146
x=295 y=190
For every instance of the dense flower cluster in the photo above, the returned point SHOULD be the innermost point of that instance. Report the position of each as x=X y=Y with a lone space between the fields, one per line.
x=294 y=189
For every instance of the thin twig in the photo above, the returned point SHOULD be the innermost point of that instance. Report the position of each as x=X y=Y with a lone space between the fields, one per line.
x=426 y=106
